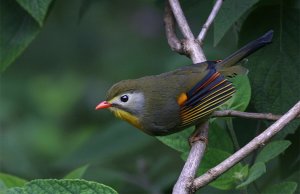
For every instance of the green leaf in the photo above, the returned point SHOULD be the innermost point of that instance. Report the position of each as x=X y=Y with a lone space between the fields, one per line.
x=244 y=173
x=36 y=8
x=20 y=23
x=41 y=186
x=230 y=178
x=255 y=172
x=284 y=187
x=272 y=150
x=17 y=30
x=242 y=96
x=274 y=70
x=178 y=141
x=11 y=181
x=77 y=173
x=294 y=177
x=229 y=13
x=218 y=137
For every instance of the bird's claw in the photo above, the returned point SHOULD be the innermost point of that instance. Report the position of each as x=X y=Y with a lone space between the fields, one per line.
x=195 y=138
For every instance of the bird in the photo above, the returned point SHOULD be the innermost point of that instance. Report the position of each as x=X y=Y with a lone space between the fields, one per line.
x=170 y=102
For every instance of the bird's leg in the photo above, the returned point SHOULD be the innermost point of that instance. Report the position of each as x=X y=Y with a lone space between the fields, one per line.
x=200 y=134
x=195 y=137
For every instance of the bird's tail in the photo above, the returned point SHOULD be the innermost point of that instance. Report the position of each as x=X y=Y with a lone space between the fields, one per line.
x=230 y=67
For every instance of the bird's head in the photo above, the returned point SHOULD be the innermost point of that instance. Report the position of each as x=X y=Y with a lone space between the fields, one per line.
x=126 y=100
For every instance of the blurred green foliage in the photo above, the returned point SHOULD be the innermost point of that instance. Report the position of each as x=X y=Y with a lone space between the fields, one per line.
x=48 y=126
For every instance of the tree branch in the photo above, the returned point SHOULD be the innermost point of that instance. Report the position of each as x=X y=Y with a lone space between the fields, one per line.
x=192 y=163
x=209 y=20
x=169 y=22
x=247 y=115
x=190 y=47
x=181 y=20
x=258 y=141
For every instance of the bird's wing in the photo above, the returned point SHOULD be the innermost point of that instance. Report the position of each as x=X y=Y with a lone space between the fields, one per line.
x=208 y=94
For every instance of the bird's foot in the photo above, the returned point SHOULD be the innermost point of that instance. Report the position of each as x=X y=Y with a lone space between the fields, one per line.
x=196 y=138
x=200 y=134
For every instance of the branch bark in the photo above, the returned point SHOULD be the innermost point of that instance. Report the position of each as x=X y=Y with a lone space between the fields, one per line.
x=209 y=20
x=186 y=178
x=247 y=115
x=181 y=20
x=258 y=141
x=191 y=47
x=169 y=22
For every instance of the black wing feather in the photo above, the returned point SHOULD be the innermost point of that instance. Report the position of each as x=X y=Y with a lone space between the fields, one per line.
x=207 y=95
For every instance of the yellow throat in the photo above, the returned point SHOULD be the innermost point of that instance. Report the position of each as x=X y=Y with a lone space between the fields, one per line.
x=126 y=116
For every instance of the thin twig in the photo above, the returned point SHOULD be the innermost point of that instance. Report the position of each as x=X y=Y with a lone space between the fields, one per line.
x=169 y=22
x=209 y=20
x=247 y=115
x=232 y=134
x=258 y=141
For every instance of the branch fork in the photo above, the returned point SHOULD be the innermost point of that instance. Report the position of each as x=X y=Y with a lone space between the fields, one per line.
x=191 y=47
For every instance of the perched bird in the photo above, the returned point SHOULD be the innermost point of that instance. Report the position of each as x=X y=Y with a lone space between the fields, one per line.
x=170 y=102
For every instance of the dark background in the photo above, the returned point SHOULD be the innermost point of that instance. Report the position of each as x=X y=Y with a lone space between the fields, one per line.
x=48 y=95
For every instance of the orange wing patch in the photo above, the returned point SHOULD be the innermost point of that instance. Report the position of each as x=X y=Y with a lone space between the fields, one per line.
x=182 y=99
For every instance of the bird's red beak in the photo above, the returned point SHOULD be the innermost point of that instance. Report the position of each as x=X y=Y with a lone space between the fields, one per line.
x=103 y=105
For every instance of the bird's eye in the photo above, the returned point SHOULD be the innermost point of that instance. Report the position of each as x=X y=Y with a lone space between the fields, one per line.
x=124 y=98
